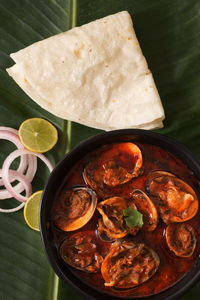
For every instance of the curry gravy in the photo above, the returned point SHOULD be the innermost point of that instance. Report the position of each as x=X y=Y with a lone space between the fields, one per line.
x=172 y=268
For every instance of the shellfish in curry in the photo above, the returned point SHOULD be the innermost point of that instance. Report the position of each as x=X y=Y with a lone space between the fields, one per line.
x=74 y=208
x=129 y=264
x=107 y=252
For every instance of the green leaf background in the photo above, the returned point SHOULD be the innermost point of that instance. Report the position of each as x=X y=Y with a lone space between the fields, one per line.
x=169 y=34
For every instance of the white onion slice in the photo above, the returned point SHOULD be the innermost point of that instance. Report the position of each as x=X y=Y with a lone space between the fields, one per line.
x=11 y=134
x=7 y=163
x=32 y=168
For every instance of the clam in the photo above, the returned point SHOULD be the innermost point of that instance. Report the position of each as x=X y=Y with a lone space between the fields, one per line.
x=74 y=208
x=175 y=199
x=111 y=226
x=80 y=252
x=146 y=207
x=129 y=264
x=114 y=174
x=154 y=174
x=181 y=239
x=116 y=165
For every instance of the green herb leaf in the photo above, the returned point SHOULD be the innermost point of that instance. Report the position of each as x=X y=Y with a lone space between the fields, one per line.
x=133 y=217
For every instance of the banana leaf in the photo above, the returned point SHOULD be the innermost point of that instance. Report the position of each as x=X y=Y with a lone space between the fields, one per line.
x=168 y=32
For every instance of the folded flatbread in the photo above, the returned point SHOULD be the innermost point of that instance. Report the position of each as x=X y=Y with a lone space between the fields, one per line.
x=95 y=75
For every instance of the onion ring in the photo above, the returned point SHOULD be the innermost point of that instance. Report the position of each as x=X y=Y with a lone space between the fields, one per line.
x=32 y=168
x=7 y=163
x=10 y=210
x=10 y=129
x=25 y=182
x=15 y=175
x=11 y=134
x=28 y=188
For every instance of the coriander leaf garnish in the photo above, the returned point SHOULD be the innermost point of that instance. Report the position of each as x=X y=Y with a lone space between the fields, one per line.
x=133 y=217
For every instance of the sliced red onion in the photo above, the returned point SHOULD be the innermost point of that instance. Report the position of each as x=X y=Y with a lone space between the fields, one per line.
x=17 y=176
x=11 y=134
x=24 y=181
x=32 y=168
x=24 y=184
x=10 y=129
x=10 y=210
x=6 y=166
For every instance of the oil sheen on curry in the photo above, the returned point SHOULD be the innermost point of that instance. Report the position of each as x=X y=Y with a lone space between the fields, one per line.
x=125 y=219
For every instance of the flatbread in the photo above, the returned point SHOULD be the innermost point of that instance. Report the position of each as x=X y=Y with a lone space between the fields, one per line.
x=95 y=75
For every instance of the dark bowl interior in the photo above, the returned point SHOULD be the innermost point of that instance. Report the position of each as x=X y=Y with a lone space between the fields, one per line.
x=56 y=178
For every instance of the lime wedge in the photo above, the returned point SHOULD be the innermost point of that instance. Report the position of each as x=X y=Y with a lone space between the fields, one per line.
x=31 y=210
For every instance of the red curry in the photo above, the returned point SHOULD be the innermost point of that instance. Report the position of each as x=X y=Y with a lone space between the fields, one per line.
x=106 y=253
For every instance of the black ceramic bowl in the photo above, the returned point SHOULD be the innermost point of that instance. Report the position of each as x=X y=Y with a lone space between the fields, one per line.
x=55 y=181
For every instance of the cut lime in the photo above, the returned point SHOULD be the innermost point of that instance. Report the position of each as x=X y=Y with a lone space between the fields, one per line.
x=31 y=210
x=38 y=135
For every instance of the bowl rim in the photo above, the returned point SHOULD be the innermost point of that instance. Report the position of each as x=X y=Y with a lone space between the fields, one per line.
x=96 y=141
